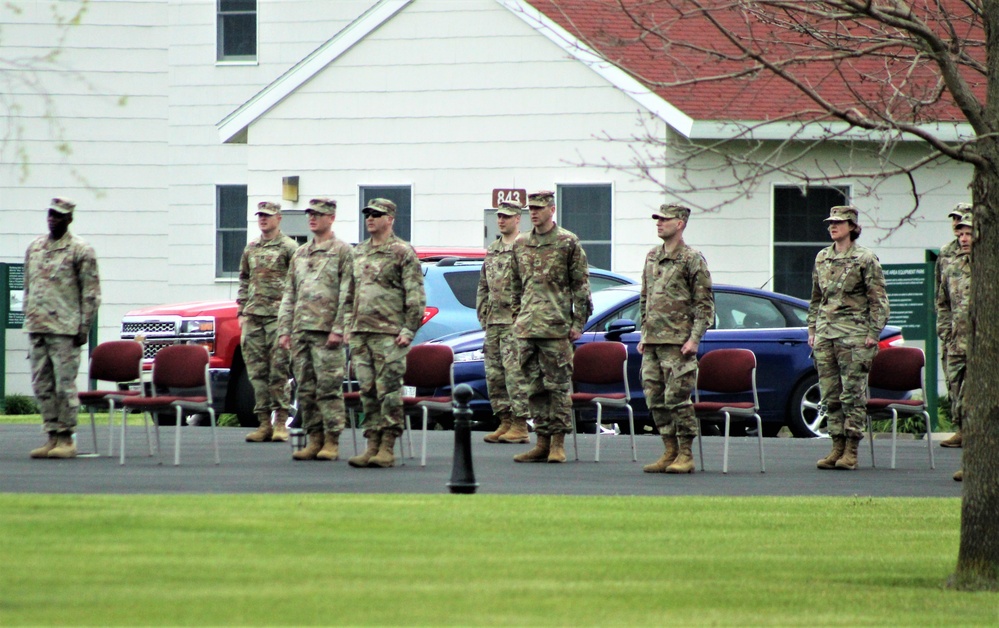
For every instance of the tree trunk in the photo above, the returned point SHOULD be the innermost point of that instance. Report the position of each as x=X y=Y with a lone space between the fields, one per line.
x=978 y=557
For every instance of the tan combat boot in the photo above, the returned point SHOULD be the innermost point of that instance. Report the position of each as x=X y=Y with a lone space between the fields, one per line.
x=331 y=447
x=264 y=432
x=556 y=449
x=538 y=454
x=956 y=440
x=385 y=457
x=829 y=462
x=43 y=451
x=312 y=449
x=672 y=450
x=684 y=462
x=505 y=423
x=65 y=447
x=361 y=460
x=518 y=432
x=280 y=434
x=959 y=475
x=848 y=462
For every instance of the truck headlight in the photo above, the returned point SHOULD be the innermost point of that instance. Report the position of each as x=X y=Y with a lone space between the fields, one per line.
x=197 y=326
x=470 y=356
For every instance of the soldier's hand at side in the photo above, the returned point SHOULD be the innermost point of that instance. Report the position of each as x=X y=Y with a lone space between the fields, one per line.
x=811 y=340
x=640 y=348
x=870 y=342
x=402 y=341
x=80 y=339
x=689 y=348
x=284 y=342
x=334 y=340
x=574 y=335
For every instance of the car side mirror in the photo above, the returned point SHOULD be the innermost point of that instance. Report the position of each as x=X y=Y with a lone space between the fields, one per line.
x=615 y=329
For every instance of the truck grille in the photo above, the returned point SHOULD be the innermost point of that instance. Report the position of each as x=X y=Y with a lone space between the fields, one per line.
x=149 y=327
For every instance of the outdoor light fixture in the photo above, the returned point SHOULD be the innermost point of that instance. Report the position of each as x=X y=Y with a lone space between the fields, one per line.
x=289 y=188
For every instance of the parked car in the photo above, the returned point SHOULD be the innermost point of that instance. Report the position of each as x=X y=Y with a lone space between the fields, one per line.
x=772 y=325
x=451 y=284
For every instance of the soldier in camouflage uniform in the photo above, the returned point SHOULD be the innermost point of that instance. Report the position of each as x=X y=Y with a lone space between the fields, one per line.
x=551 y=290
x=311 y=325
x=848 y=310
x=676 y=307
x=947 y=254
x=383 y=310
x=954 y=316
x=62 y=292
x=494 y=306
x=262 y=272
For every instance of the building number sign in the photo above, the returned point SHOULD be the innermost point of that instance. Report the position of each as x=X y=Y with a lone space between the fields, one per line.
x=505 y=195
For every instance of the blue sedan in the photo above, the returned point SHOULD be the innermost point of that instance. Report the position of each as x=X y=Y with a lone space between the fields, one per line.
x=772 y=325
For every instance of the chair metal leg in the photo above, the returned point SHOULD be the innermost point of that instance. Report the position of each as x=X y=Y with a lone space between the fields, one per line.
x=124 y=422
x=110 y=428
x=600 y=417
x=728 y=426
x=894 y=435
x=215 y=438
x=93 y=430
x=759 y=438
x=353 y=429
x=870 y=437
x=575 y=443
x=700 y=442
x=423 y=448
x=929 y=439
x=631 y=426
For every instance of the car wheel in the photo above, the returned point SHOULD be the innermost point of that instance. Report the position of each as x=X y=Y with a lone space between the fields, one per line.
x=808 y=416
x=244 y=401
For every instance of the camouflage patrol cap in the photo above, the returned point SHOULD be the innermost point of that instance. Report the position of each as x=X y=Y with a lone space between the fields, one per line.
x=541 y=198
x=843 y=213
x=510 y=208
x=62 y=205
x=966 y=220
x=268 y=208
x=960 y=210
x=325 y=206
x=382 y=205
x=672 y=210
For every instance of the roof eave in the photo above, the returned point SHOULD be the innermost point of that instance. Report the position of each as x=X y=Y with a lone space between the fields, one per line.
x=812 y=131
x=233 y=126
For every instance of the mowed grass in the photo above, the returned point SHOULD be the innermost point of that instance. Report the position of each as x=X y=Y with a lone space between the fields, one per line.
x=482 y=559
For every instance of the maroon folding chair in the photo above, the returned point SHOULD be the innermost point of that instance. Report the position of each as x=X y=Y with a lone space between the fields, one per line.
x=177 y=369
x=898 y=369
x=602 y=363
x=428 y=366
x=727 y=371
x=117 y=361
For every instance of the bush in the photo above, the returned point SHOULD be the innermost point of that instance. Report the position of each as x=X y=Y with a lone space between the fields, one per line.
x=20 y=404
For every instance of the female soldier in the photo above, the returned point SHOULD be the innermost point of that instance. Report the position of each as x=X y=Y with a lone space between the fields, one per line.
x=848 y=310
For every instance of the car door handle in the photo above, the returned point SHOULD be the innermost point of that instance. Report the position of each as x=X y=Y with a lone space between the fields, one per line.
x=790 y=341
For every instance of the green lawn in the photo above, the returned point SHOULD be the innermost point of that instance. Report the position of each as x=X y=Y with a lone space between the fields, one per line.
x=480 y=559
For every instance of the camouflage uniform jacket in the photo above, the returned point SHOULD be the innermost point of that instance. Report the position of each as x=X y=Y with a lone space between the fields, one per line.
x=62 y=289
x=551 y=285
x=494 y=297
x=954 y=304
x=947 y=254
x=387 y=295
x=848 y=294
x=319 y=276
x=262 y=272
x=676 y=302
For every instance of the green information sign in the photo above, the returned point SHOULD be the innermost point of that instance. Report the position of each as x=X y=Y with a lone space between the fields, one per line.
x=909 y=295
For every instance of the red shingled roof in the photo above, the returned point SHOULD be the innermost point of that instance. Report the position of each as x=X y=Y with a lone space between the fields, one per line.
x=693 y=67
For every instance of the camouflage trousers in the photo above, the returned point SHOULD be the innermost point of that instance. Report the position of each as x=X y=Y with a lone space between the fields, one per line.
x=957 y=367
x=668 y=379
x=319 y=375
x=843 y=365
x=266 y=364
x=546 y=365
x=55 y=364
x=379 y=364
x=504 y=379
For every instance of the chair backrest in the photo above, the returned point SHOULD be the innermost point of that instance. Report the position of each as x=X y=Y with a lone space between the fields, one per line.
x=429 y=366
x=898 y=369
x=599 y=363
x=181 y=366
x=727 y=371
x=117 y=361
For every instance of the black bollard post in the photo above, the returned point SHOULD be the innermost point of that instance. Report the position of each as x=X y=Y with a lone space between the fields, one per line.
x=462 y=474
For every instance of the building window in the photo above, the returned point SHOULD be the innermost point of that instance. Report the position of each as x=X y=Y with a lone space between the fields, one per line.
x=402 y=196
x=799 y=234
x=230 y=229
x=237 y=30
x=586 y=211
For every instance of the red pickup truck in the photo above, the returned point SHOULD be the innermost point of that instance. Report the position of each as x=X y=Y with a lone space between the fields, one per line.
x=214 y=325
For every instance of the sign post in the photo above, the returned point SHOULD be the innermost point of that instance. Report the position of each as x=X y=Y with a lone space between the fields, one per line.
x=12 y=315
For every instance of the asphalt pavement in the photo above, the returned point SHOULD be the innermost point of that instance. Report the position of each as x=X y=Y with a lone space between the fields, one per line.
x=269 y=468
